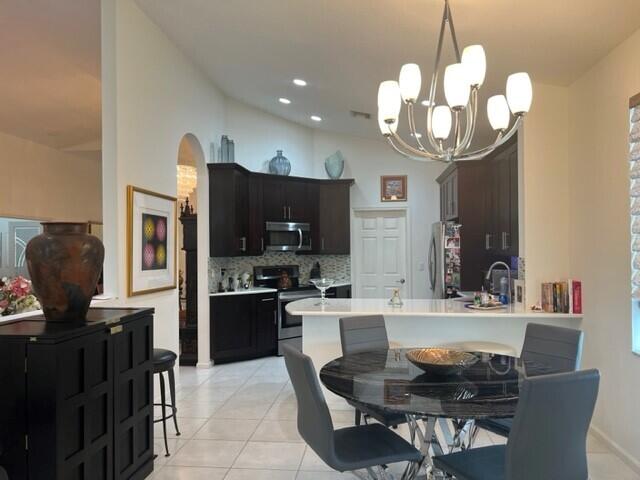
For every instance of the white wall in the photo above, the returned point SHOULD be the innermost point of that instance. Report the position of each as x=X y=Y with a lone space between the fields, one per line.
x=258 y=134
x=44 y=183
x=599 y=235
x=152 y=96
x=366 y=160
x=544 y=199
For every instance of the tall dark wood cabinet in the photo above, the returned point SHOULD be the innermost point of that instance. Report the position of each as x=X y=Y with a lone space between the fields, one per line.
x=77 y=401
x=482 y=196
x=189 y=330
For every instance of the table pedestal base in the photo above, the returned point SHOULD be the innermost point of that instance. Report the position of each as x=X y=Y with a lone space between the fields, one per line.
x=454 y=435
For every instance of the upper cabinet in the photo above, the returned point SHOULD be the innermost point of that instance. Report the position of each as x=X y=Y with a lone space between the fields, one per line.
x=242 y=202
x=228 y=211
x=334 y=215
x=482 y=196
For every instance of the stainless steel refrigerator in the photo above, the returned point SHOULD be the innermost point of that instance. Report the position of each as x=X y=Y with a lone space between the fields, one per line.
x=444 y=259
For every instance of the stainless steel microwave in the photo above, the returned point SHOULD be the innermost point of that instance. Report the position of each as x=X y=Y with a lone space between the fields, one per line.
x=288 y=237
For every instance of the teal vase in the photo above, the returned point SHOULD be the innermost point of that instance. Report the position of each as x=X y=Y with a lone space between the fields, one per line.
x=334 y=165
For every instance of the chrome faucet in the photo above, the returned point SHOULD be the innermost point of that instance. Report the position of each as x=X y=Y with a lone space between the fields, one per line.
x=501 y=264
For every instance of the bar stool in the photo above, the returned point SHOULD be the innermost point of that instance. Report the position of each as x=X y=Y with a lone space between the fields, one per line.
x=164 y=361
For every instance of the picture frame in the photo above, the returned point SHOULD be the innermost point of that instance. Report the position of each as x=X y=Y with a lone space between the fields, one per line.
x=393 y=188
x=151 y=241
x=519 y=300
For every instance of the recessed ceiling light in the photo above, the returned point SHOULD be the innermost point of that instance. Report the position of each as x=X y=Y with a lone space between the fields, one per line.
x=316 y=118
x=299 y=82
x=286 y=101
x=425 y=103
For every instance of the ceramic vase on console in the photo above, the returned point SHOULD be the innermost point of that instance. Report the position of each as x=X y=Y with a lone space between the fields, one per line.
x=279 y=165
x=65 y=262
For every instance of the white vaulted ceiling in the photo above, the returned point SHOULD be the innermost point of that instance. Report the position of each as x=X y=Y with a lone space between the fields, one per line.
x=252 y=49
x=50 y=71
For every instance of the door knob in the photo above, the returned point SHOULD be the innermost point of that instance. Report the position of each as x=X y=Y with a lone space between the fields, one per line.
x=402 y=281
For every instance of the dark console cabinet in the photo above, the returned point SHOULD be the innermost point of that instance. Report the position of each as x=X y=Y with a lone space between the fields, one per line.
x=77 y=399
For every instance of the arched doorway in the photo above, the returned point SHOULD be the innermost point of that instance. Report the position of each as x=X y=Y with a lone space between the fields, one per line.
x=193 y=247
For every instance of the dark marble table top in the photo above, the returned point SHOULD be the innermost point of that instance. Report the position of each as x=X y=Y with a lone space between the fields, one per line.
x=386 y=379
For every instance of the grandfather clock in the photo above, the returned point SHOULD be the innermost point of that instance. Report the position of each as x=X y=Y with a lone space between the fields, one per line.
x=189 y=330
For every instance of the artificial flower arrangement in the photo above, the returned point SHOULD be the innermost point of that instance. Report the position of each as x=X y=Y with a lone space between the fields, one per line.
x=16 y=296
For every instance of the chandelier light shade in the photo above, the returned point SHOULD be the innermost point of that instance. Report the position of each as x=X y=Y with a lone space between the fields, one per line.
x=441 y=121
x=519 y=92
x=475 y=64
x=389 y=101
x=450 y=129
x=456 y=86
x=498 y=112
x=387 y=128
x=409 y=81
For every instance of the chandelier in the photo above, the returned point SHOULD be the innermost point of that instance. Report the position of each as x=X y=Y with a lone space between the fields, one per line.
x=462 y=81
x=187 y=181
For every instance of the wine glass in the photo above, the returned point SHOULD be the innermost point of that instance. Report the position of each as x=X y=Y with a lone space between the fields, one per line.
x=322 y=284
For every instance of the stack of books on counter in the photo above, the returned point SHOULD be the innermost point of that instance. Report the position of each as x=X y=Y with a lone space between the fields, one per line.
x=562 y=297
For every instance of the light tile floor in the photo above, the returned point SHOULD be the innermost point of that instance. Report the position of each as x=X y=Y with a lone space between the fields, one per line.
x=238 y=423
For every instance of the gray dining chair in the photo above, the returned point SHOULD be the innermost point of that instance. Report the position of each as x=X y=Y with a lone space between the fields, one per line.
x=345 y=449
x=548 y=438
x=362 y=334
x=557 y=347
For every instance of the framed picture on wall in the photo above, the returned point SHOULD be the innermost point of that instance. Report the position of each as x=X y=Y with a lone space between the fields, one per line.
x=151 y=241
x=393 y=188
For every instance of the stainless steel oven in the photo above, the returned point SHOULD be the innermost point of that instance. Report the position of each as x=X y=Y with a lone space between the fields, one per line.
x=288 y=237
x=290 y=326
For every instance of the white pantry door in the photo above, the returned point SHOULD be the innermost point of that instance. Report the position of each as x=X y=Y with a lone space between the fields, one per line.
x=380 y=253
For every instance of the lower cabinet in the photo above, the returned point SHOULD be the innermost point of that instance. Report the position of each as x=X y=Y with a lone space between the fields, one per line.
x=78 y=399
x=342 y=291
x=243 y=326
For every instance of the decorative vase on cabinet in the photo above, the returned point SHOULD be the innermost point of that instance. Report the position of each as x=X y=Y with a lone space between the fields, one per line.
x=64 y=262
x=334 y=165
x=279 y=165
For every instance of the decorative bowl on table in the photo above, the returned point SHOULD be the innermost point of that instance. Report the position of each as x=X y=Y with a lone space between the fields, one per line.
x=441 y=361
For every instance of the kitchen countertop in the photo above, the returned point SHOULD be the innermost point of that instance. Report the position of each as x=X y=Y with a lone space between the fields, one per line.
x=256 y=290
x=248 y=291
x=411 y=307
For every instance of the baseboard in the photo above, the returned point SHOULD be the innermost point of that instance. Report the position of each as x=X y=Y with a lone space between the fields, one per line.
x=625 y=456
x=204 y=364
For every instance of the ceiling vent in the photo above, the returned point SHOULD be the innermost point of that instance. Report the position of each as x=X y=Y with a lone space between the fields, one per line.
x=356 y=114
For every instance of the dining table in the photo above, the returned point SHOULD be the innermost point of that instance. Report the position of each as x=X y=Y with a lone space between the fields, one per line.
x=385 y=379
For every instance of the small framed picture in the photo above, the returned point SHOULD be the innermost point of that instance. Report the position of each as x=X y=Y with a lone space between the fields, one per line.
x=151 y=241
x=393 y=188
x=518 y=294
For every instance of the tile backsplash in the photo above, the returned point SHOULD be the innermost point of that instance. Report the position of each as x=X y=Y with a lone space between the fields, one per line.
x=334 y=266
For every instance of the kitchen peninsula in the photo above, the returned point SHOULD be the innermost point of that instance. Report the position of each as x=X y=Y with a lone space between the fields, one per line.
x=420 y=323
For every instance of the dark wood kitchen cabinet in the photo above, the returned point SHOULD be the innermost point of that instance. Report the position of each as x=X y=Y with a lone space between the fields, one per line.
x=228 y=210
x=334 y=219
x=243 y=326
x=502 y=223
x=285 y=199
x=78 y=398
x=482 y=196
x=241 y=202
